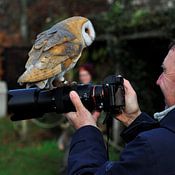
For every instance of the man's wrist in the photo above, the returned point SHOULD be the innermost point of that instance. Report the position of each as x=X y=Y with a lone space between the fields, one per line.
x=132 y=117
x=127 y=119
x=86 y=124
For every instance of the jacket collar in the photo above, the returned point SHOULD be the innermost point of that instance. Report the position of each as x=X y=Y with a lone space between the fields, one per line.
x=169 y=121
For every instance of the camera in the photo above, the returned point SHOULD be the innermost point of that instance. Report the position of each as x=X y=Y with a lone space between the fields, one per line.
x=34 y=102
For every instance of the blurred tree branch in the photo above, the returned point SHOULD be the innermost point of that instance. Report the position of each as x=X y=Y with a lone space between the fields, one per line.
x=23 y=21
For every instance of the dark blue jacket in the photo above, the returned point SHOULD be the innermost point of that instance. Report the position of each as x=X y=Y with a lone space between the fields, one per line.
x=150 y=149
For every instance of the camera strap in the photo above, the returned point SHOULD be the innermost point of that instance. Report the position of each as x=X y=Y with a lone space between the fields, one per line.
x=108 y=122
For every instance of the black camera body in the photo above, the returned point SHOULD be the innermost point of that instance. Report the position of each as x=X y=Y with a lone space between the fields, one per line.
x=34 y=102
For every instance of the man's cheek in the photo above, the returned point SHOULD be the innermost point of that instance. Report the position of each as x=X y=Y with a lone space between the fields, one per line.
x=169 y=92
x=169 y=83
x=173 y=80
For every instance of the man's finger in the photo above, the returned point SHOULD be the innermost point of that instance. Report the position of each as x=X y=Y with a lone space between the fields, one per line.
x=128 y=87
x=96 y=115
x=70 y=115
x=76 y=101
x=127 y=84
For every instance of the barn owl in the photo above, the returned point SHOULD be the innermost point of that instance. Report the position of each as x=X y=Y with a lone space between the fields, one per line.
x=56 y=51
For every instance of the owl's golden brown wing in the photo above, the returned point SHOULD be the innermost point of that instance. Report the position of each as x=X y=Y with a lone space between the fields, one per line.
x=52 y=50
x=56 y=35
x=52 y=62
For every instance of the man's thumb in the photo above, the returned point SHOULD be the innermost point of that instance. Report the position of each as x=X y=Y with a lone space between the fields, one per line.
x=76 y=100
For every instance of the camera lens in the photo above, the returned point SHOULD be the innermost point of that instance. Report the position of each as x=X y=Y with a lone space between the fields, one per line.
x=91 y=97
x=34 y=102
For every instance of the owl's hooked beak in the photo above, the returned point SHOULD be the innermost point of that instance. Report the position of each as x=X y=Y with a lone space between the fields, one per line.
x=88 y=33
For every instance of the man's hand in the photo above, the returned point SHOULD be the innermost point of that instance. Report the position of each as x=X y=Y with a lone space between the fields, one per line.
x=82 y=117
x=132 y=110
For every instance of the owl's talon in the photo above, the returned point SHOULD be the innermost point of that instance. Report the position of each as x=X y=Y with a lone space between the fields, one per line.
x=65 y=82
x=74 y=83
x=62 y=79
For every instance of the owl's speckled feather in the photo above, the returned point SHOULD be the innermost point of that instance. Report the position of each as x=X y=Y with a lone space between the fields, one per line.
x=55 y=51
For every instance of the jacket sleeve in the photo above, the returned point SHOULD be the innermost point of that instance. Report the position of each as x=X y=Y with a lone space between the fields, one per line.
x=88 y=153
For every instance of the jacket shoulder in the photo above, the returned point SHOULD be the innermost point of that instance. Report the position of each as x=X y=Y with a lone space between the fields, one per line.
x=158 y=138
x=151 y=134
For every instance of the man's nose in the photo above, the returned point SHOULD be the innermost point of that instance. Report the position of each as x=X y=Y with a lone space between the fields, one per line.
x=158 y=80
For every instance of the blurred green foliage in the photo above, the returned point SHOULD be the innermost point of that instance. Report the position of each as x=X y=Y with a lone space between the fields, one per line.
x=120 y=20
x=39 y=154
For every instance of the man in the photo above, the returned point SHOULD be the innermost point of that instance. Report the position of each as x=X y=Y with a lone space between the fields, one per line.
x=150 y=148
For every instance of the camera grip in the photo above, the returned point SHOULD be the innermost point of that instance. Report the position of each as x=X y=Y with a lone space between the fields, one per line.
x=120 y=97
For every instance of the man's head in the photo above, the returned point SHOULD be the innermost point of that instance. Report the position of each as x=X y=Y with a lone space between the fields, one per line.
x=166 y=80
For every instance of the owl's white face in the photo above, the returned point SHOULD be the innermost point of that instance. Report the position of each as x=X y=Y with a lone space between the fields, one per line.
x=88 y=33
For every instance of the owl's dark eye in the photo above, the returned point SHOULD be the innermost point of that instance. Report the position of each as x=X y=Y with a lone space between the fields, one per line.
x=87 y=30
